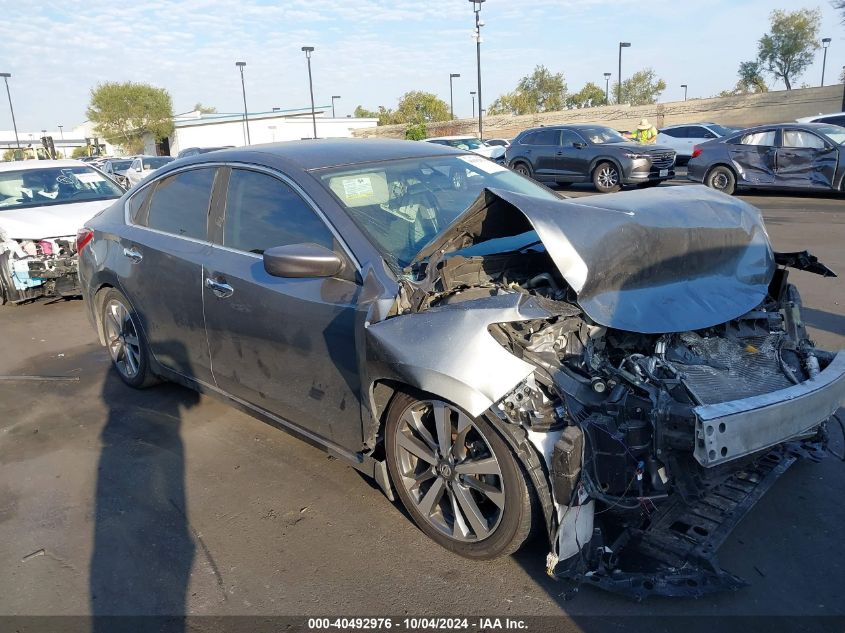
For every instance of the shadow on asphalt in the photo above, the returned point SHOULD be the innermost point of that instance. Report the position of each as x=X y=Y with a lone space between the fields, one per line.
x=821 y=320
x=143 y=545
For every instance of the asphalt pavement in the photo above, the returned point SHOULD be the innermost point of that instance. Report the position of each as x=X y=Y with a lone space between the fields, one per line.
x=114 y=501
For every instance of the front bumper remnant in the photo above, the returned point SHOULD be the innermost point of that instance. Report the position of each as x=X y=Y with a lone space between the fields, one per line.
x=729 y=430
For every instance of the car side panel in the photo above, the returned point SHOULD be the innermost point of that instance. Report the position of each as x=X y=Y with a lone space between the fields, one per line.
x=802 y=167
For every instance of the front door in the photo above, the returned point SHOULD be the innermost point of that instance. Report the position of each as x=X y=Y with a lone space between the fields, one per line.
x=805 y=160
x=754 y=157
x=163 y=252
x=286 y=345
x=573 y=161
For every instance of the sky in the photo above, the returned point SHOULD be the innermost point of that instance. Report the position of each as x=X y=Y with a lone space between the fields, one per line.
x=369 y=51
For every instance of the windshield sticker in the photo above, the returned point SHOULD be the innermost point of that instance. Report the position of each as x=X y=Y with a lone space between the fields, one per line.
x=357 y=188
x=481 y=163
x=89 y=178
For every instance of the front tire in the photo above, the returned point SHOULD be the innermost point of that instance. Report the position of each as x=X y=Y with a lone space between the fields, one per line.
x=125 y=340
x=606 y=178
x=457 y=478
x=721 y=179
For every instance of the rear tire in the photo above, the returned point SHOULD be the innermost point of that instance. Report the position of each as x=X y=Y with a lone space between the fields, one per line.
x=125 y=340
x=606 y=178
x=463 y=487
x=524 y=169
x=721 y=179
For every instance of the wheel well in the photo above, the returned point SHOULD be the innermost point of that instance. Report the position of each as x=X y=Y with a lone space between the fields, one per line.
x=726 y=166
x=98 y=310
x=599 y=161
x=524 y=161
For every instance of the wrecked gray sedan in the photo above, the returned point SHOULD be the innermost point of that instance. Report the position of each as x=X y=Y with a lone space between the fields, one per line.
x=630 y=372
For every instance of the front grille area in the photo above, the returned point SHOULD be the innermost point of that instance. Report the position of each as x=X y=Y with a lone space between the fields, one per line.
x=662 y=160
x=736 y=368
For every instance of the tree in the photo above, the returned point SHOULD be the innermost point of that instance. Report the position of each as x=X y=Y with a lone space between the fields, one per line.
x=79 y=152
x=198 y=107
x=417 y=106
x=589 y=96
x=788 y=50
x=751 y=78
x=839 y=5
x=361 y=112
x=124 y=113
x=642 y=88
x=541 y=91
x=416 y=132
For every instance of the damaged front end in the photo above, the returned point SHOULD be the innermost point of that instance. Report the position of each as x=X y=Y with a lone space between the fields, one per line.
x=654 y=354
x=30 y=269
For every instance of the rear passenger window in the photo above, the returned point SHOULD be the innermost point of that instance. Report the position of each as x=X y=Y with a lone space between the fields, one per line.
x=138 y=204
x=677 y=132
x=766 y=138
x=180 y=203
x=263 y=212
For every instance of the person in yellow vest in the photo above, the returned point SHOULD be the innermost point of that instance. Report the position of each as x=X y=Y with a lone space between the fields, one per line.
x=645 y=134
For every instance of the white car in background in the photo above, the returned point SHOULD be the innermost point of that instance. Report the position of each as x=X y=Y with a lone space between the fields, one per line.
x=472 y=144
x=837 y=118
x=43 y=203
x=683 y=138
x=143 y=166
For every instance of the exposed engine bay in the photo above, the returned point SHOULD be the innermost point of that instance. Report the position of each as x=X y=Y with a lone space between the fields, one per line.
x=656 y=443
x=36 y=268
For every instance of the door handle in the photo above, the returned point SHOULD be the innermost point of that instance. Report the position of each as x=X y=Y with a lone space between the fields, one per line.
x=133 y=254
x=559 y=154
x=219 y=288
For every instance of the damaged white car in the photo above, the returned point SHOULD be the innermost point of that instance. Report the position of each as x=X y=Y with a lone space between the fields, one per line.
x=42 y=206
x=630 y=371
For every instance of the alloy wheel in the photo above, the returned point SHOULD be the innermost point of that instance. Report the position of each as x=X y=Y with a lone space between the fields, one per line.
x=122 y=339
x=720 y=181
x=608 y=177
x=449 y=471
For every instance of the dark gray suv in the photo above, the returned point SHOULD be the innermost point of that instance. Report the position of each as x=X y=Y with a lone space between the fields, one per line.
x=566 y=154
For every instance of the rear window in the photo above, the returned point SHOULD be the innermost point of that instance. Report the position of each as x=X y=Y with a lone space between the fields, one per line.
x=180 y=203
x=545 y=137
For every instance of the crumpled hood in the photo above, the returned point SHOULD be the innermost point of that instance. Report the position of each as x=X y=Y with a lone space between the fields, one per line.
x=58 y=220
x=652 y=261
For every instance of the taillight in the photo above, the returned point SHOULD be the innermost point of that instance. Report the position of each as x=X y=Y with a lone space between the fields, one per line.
x=83 y=236
x=696 y=151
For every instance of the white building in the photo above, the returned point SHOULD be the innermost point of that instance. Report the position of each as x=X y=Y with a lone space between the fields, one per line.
x=65 y=140
x=216 y=130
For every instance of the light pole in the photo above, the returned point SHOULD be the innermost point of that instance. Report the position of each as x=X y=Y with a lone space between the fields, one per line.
x=240 y=66
x=607 y=88
x=825 y=44
x=684 y=86
x=333 y=98
x=472 y=94
x=476 y=7
x=451 y=102
x=62 y=135
x=308 y=50
x=619 y=84
x=5 y=77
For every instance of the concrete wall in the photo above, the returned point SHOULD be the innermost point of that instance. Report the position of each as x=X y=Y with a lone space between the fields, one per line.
x=743 y=111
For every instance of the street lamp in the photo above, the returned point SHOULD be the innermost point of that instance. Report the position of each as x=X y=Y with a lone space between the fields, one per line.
x=451 y=103
x=607 y=88
x=240 y=66
x=472 y=94
x=619 y=85
x=5 y=77
x=825 y=44
x=476 y=7
x=308 y=50
x=333 y=98
x=62 y=134
x=684 y=86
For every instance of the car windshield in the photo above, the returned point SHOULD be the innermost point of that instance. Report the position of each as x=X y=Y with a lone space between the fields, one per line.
x=155 y=163
x=53 y=186
x=465 y=143
x=403 y=204
x=119 y=165
x=835 y=133
x=602 y=135
x=721 y=130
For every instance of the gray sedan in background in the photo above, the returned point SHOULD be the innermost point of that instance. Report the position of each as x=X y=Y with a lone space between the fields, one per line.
x=789 y=156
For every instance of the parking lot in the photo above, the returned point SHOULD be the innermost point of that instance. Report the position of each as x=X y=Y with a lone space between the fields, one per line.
x=114 y=501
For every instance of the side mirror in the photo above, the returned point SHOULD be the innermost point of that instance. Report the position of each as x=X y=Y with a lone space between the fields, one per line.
x=579 y=145
x=302 y=260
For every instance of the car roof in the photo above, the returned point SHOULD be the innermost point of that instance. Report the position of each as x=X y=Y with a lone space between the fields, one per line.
x=780 y=126
x=16 y=165
x=321 y=153
x=669 y=127
x=456 y=137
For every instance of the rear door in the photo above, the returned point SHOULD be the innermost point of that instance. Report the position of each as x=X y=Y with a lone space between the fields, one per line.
x=805 y=159
x=163 y=252
x=545 y=153
x=286 y=345
x=754 y=157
